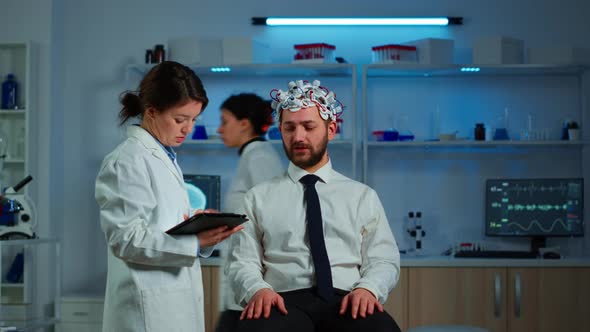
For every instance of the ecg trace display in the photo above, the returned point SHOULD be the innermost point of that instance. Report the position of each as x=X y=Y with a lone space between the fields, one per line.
x=534 y=207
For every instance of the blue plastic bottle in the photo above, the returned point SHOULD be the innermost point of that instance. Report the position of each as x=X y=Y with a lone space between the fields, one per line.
x=9 y=93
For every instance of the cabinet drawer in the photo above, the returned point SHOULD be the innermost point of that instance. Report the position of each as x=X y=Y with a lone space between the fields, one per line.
x=81 y=312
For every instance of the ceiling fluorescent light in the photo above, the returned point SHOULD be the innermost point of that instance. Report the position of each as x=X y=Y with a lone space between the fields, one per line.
x=294 y=21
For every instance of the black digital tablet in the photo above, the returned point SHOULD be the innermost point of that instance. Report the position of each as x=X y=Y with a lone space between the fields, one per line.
x=204 y=221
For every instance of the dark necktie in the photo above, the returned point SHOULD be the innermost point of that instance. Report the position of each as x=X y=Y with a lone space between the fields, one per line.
x=321 y=262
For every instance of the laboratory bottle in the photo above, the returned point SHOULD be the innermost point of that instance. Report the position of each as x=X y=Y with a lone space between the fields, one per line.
x=9 y=93
x=479 y=132
x=149 y=56
x=159 y=54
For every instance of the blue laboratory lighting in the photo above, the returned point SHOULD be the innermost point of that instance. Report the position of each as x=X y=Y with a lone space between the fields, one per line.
x=220 y=69
x=430 y=21
x=470 y=69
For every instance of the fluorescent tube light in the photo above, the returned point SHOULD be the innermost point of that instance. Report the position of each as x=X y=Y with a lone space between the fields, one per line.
x=302 y=21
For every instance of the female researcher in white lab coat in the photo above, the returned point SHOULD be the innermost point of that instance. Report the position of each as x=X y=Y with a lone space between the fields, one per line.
x=245 y=118
x=154 y=279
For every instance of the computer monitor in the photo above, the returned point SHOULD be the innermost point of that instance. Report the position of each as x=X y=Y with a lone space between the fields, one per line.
x=204 y=191
x=536 y=208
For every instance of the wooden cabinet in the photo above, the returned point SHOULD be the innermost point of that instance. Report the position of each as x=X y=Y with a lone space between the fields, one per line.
x=499 y=299
x=457 y=296
x=548 y=299
x=396 y=302
x=211 y=296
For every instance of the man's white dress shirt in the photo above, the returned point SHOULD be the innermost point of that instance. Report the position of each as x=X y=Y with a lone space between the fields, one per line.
x=273 y=249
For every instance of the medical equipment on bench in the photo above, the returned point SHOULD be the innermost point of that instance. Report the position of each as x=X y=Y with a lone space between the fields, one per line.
x=415 y=229
x=17 y=213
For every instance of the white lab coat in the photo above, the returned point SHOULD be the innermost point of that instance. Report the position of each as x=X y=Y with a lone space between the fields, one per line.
x=259 y=162
x=154 y=280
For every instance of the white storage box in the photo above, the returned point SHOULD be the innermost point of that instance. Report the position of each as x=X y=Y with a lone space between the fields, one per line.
x=195 y=51
x=216 y=52
x=498 y=50
x=558 y=55
x=434 y=51
x=237 y=51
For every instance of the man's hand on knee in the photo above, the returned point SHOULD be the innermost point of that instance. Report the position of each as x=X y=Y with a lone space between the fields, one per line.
x=261 y=303
x=361 y=302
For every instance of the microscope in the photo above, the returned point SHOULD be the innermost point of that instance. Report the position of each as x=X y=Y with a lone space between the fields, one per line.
x=17 y=213
x=415 y=229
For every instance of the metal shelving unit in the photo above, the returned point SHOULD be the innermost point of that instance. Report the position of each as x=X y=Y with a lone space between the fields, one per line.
x=401 y=71
x=20 y=304
x=15 y=124
x=290 y=71
x=479 y=144
x=276 y=70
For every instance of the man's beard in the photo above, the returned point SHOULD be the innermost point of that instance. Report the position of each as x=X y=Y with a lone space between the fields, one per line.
x=315 y=157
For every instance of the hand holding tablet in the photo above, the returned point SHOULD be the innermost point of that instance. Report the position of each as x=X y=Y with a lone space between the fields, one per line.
x=205 y=221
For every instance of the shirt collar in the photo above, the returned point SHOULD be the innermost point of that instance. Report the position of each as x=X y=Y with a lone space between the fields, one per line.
x=168 y=149
x=255 y=139
x=324 y=173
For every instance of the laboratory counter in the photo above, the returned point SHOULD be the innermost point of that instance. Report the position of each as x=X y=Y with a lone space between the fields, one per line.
x=448 y=261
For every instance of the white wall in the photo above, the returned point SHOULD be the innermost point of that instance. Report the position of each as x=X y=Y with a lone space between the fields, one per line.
x=93 y=41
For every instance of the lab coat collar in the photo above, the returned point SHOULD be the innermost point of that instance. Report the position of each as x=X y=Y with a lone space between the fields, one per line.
x=244 y=147
x=324 y=173
x=153 y=145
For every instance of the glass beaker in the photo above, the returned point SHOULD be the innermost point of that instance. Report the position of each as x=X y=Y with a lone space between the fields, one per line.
x=3 y=147
x=403 y=128
x=528 y=134
x=435 y=123
x=501 y=128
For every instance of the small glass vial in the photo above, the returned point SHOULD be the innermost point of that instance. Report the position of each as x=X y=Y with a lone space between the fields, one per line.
x=159 y=54
x=149 y=56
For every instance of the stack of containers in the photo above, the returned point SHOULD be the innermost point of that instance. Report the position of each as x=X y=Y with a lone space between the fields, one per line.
x=314 y=53
x=393 y=53
x=434 y=51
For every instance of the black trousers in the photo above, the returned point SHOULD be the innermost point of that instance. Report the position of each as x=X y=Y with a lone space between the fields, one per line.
x=228 y=321
x=308 y=313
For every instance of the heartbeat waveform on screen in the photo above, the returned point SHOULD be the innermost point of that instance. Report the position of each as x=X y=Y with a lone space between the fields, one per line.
x=530 y=189
x=533 y=207
x=535 y=222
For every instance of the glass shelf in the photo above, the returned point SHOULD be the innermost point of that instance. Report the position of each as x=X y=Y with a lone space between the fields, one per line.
x=421 y=70
x=276 y=70
x=14 y=161
x=213 y=141
x=12 y=285
x=217 y=141
x=475 y=144
x=19 y=111
x=339 y=142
